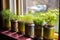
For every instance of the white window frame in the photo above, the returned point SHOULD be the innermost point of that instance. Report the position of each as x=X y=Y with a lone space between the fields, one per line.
x=12 y=6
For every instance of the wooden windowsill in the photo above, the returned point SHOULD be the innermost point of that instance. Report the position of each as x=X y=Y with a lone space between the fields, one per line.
x=56 y=36
x=14 y=35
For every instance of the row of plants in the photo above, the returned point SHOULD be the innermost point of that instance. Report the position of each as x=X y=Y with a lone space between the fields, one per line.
x=49 y=18
x=33 y=25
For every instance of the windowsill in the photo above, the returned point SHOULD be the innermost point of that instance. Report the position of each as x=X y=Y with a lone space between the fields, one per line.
x=56 y=36
x=13 y=35
x=18 y=36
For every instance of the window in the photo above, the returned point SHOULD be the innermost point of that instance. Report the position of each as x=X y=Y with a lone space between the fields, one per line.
x=20 y=7
x=50 y=4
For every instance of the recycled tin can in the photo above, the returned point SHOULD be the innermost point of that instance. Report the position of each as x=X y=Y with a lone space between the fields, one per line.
x=21 y=27
x=14 y=25
x=29 y=30
x=39 y=32
x=49 y=33
x=7 y=24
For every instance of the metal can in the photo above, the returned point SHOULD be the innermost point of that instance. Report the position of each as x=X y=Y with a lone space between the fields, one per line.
x=29 y=30
x=14 y=25
x=39 y=32
x=48 y=33
x=7 y=24
x=21 y=27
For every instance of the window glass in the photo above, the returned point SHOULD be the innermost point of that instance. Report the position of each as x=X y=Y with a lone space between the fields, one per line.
x=42 y=5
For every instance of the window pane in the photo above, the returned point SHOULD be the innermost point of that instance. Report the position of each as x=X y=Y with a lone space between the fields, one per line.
x=38 y=5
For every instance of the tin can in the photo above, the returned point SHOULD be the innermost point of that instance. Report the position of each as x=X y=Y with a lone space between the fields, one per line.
x=21 y=27
x=49 y=33
x=7 y=24
x=14 y=25
x=29 y=30
x=39 y=32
